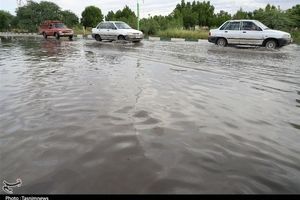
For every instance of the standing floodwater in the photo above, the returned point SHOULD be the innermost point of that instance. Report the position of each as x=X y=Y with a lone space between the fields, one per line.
x=157 y=117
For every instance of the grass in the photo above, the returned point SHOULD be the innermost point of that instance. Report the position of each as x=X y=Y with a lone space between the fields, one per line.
x=187 y=34
x=79 y=30
x=296 y=36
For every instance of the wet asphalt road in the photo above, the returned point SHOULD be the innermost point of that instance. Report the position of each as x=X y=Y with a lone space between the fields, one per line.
x=156 y=117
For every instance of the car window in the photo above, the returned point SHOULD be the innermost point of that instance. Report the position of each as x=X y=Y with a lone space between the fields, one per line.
x=59 y=25
x=224 y=26
x=233 y=26
x=122 y=25
x=264 y=27
x=110 y=26
x=103 y=26
x=250 y=26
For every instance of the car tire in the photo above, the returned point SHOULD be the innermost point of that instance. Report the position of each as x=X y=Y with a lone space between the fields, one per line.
x=45 y=35
x=271 y=44
x=98 y=38
x=56 y=35
x=222 y=42
x=71 y=37
x=121 y=38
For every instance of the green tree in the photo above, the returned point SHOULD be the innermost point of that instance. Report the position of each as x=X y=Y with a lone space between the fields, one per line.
x=273 y=17
x=149 y=26
x=30 y=16
x=48 y=11
x=5 y=20
x=221 y=17
x=110 y=16
x=125 y=15
x=69 y=18
x=91 y=16
x=240 y=14
x=195 y=13
x=294 y=14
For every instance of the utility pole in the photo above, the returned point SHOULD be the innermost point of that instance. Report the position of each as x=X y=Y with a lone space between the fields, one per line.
x=138 y=14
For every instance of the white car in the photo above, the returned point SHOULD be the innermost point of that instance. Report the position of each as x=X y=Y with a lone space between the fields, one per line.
x=116 y=30
x=248 y=32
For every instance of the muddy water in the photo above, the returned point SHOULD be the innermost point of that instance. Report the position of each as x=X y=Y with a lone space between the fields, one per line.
x=159 y=117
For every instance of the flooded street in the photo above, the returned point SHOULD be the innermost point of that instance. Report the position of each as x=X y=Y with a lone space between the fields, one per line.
x=156 y=117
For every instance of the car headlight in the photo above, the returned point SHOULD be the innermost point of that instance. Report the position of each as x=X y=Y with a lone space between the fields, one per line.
x=287 y=35
x=60 y=32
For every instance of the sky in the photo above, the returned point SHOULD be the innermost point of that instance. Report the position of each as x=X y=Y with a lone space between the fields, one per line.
x=153 y=7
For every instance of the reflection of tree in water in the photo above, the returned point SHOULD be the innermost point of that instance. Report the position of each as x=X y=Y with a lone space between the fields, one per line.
x=56 y=48
x=46 y=49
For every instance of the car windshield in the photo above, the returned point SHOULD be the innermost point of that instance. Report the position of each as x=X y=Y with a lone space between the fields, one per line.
x=264 y=27
x=122 y=25
x=60 y=25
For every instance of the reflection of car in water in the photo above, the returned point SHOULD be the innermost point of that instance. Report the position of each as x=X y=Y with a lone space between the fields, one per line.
x=248 y=32
x=56 y=29
x=116 y=30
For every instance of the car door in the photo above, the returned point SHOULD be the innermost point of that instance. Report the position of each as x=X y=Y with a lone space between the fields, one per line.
x=232 y=32
x=50 y=29
x=102 y=30
x=112 y=32
x=251 y=33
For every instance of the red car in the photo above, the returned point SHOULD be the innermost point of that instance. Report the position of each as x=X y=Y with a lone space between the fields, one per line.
x=55 y=28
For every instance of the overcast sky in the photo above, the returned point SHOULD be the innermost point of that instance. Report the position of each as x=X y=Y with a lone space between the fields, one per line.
x=153 y=7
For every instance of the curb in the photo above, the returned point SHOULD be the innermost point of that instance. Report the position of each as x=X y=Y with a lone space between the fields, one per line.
x=177 y=39
x=154 y=38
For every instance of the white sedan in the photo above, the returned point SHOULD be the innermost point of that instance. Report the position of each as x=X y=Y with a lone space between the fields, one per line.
x=116 y=30
x=248 y=32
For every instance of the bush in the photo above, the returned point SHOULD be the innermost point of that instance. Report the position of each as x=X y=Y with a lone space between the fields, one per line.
x=187 y=34
x=296 y=36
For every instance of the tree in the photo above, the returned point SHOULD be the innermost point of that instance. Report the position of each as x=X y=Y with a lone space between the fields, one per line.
x=31 y=15
x=125 y=15
x=221 y=17
x=91 y=16
x=69 y=18
x=5 y=20
x=294 y=14
x=110 y=16
x=28 y=16
x=273 y=17
x=240 y=14
x=149 y=26
x=48 y=11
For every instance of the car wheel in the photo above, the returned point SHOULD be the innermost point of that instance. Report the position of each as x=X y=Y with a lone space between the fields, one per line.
x=221 y=42
x=121 y=38
x=45 y=35
x=98 y=37
x=71 y=37
x=56 y=35
x=271 y=44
